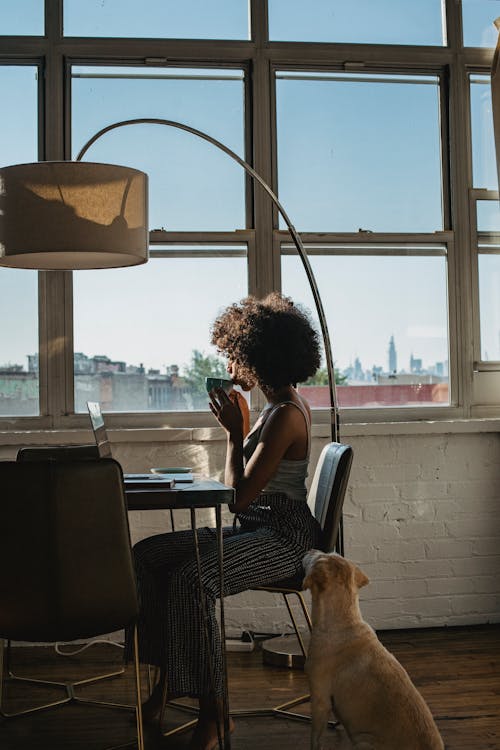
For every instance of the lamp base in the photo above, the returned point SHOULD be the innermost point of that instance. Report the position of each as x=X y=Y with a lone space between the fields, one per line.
x=284 y=651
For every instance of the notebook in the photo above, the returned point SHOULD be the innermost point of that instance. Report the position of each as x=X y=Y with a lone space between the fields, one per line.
x=140 y=481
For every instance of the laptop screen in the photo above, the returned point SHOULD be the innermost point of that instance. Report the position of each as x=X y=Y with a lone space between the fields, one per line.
x=99 y=430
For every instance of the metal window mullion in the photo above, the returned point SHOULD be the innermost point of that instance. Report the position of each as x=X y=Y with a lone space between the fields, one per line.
x=54 y=20
x=380 y=57
x=484 y=194
x=453 y=16
x=489 y=246
x=57 y=346
x=163 y=237
x=476 y=318
x=260 y=249
x=355 y=252
x=459 y=268
x=262 y=152
x=55 y=343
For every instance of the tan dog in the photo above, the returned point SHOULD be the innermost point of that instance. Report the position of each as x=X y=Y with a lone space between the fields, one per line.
x=349 y=669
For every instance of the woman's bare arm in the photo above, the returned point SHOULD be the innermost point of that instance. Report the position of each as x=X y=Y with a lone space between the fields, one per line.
x=283 y=428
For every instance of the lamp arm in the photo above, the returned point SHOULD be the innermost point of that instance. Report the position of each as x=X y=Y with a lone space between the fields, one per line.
x=334 y=413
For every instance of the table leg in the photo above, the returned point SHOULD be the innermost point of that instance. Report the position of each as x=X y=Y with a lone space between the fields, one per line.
x=225 y=696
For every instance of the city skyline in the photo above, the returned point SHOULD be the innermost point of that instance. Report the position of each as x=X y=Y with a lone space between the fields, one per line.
x=356 y=370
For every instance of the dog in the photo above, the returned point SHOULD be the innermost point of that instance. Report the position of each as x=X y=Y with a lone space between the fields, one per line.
x=350 y=671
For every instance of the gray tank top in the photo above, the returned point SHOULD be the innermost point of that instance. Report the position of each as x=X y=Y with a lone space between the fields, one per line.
x=290 y=476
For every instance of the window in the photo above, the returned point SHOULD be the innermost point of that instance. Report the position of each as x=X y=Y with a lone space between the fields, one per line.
x=142 y=335
x=352 y=112
x=484 y=168
x=145 y=357
x=372 y=160
x=19 y=392
x=485 y=213
x=386 y=308
x=371 y=164
x=357 y=21
x=192 y=185
x=477 y=20
x=489 y=284
x=24 y=17
x=194 y=19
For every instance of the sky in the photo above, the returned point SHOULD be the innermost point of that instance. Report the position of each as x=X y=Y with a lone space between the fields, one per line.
x=338 y=171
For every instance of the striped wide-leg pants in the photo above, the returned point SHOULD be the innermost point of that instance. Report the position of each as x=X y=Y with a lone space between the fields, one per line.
x=268 y=546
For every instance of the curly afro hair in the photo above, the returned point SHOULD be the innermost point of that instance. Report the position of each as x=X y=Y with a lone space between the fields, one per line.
x=271 y=340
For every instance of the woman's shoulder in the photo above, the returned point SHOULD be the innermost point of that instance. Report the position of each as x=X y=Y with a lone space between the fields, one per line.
x=287 y=413
x=298 y=403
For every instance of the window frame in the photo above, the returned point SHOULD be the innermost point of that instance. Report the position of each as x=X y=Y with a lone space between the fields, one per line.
x=53 y=53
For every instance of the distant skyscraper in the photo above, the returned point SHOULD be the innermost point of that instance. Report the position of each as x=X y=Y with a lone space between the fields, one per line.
x=393 y=357
x=415 y=364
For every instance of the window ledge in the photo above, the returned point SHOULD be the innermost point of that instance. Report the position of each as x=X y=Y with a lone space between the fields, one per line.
x=214 y=434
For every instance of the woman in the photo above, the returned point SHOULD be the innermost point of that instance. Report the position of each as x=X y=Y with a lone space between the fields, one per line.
x=272 y=344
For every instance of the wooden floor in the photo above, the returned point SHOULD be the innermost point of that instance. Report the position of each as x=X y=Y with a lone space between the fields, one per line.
x=456 y=669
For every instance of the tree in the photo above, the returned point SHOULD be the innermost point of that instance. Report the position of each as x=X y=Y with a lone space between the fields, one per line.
x=202 y=366
x=320 y=377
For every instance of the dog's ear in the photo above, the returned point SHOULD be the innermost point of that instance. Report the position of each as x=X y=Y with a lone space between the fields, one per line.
x=360 y=579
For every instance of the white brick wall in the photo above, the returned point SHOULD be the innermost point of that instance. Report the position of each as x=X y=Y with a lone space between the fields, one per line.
x=422 y=518
x=429 y=539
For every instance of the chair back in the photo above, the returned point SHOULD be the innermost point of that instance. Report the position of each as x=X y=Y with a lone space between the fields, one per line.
x=328 y=488
x=66 y=568
x=57 y=453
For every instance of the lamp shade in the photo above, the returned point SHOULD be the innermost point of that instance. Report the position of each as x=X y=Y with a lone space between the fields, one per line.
x=65 y=215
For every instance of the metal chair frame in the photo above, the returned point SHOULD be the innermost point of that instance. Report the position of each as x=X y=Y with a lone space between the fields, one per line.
x=58 y=453
x=325 y=499
x=6 y=676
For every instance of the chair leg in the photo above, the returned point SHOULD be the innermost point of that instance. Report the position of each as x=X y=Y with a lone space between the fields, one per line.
x=69 y=687
x=138 y=694
x=283 y=709
x=6 y=674
x=71 y=697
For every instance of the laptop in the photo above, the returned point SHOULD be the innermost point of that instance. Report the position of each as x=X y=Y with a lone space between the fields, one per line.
x=163 y=480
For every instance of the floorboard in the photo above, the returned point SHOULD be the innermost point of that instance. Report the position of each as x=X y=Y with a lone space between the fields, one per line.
x=456 y=670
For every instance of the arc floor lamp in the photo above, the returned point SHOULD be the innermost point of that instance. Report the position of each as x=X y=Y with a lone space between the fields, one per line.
x=334 y=415
x=69 y=215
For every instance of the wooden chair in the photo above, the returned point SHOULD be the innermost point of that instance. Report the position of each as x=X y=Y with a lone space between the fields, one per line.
x=65 y=560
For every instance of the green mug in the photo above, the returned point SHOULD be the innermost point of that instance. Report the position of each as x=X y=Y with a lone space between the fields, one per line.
x=211 y=383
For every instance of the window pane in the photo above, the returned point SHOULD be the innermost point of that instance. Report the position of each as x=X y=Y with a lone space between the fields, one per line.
x=478 y=27
x=489 y=285
x=22 y=18
x=195 y=19
x=19 y=120
x=488 y=216
x=18 y=288
x=484 y=168
x=387 y=318
x=192 y=184
x=18 y=343
x=358 y=21
x=137 y=330
x=371 y=160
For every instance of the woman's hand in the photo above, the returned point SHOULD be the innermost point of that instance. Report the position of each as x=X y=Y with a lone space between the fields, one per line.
x=227 y=412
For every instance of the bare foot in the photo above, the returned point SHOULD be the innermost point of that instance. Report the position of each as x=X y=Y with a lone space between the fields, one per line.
x=205 y=735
